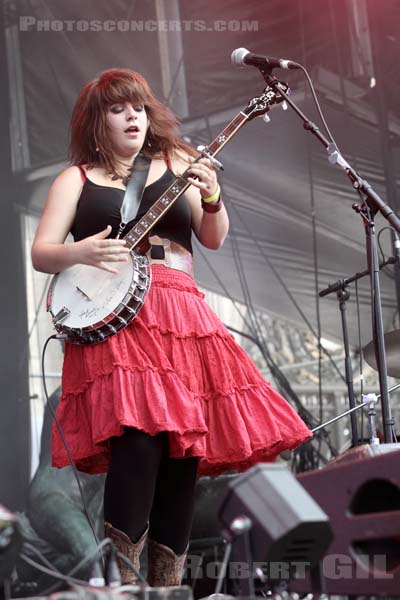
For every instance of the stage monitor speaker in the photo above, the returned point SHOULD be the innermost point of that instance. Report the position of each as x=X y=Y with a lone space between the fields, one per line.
x=287 y=525
x=361 y=495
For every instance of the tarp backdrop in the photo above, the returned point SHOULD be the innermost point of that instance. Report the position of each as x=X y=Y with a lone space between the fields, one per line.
x=277 y=177
x=292 y=224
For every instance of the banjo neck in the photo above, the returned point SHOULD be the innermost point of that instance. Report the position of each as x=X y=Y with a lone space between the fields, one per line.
x=256 y=107
x=142 y=228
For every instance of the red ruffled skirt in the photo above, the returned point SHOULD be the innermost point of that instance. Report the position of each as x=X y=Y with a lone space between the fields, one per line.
x=175 y=368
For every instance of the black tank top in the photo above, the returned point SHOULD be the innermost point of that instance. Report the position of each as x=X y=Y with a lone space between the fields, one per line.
x=99 y=206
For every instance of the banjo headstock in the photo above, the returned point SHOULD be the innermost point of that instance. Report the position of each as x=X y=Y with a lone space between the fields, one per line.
x=261 y=104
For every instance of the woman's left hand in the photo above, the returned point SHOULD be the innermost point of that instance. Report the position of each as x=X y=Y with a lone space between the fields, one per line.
x=206 y=178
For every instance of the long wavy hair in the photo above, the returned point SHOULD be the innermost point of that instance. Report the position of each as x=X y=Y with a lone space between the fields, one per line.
x=89 y=135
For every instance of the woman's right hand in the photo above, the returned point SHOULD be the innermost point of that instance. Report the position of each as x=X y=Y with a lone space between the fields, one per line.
x=97 y=251
x=50 y=253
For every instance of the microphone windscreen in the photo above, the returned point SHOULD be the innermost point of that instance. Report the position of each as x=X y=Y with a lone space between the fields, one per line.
x=238 y=56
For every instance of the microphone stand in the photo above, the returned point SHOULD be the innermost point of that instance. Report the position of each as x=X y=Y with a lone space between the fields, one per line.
x=372 y=203
x=343 y=294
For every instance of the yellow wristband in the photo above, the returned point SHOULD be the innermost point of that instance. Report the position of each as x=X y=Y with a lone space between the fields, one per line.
x=214 y=197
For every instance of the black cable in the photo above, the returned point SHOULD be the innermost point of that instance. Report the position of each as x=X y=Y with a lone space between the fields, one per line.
x=40 y=555
x=86 y=559
x=286 y=389
x=314 y=95
x=254 y=324
x=46 y=571
x=361 y=362
x=308 y=416
x=332 y=139
x=254 y=321
x=391 y=276
x=99 y=545
x=304 y=70
x=375 y=312
x=384 y=269
x=272 y=267
x=286 y=289
x=316 y=280
x=313 y=214
x=234 y=253
x=345 y=104
x=75 y=472
x=260 y=345
x=281 y=380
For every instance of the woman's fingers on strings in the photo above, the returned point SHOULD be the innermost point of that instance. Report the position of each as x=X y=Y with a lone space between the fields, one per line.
x=203 y=178
x=197 y=183
x=200 y=169
x=207 y=162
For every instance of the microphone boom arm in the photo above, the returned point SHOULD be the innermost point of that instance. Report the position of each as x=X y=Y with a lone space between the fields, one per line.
x=334 y=156
x=372 y=204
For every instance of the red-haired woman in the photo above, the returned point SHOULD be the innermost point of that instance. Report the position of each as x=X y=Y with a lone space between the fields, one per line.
x=171 y=395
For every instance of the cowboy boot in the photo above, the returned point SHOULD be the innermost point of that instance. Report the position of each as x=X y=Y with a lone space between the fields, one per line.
x=131 y=550
x=165 y=568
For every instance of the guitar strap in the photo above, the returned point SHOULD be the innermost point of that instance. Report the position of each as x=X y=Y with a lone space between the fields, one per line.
x=134 y=191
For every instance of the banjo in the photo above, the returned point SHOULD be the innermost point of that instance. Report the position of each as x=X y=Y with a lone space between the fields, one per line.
x=88 y=305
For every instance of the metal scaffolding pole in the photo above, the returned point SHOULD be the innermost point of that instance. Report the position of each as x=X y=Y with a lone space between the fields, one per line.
x=15 y=402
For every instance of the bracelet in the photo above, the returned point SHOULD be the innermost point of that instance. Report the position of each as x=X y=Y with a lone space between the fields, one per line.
x=213 y=197
x=212 y=208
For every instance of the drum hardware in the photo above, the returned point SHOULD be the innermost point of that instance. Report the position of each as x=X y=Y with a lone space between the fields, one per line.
x=343 y=295
x=392 y=346
x=369 y=400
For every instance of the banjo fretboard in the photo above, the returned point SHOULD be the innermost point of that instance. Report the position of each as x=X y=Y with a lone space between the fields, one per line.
x=139 y=231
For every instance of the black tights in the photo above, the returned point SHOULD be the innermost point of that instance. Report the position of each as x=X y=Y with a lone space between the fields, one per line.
x=144 y=485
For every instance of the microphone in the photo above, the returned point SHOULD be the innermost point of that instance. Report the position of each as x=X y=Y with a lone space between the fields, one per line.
x=241 y=57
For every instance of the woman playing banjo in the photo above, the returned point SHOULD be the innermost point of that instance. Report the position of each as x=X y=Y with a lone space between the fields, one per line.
x=171 y=395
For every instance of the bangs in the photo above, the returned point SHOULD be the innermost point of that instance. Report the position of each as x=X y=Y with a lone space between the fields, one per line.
x=116 y=87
